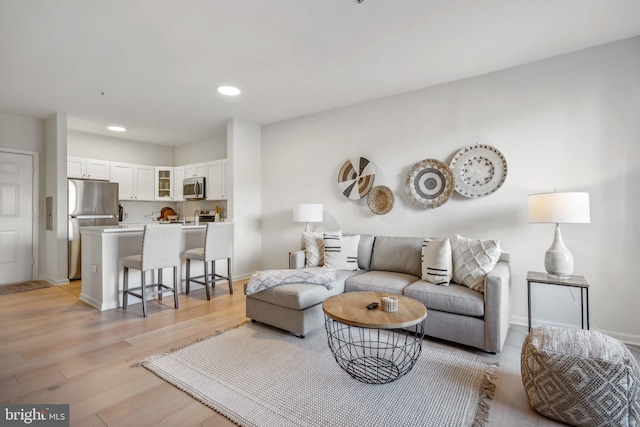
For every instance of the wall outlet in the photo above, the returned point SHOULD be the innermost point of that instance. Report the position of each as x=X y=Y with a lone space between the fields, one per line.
x=94 y=268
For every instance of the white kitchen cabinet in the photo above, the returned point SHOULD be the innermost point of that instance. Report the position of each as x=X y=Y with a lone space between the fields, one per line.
x=216 y=182
x=192 y=171
x=164 y=188
x=135 y=182
x=79 y=167
x=178 y=178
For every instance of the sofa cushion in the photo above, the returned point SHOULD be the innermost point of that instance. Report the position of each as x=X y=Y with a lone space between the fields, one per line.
x=301 y=296
x=341 y=252
x=437 y=264
x=398 y=254
x=365 y=248
x=379 y=281
x=454 y=298
x=314 y=248
x=473 y=259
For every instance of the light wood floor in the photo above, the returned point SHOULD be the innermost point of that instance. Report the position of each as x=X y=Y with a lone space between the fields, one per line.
x=56 y=349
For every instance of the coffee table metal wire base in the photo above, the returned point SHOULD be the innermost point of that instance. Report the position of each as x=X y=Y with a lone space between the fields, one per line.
x=374 y=356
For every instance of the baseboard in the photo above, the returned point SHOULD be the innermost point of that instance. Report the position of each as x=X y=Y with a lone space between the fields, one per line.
x=53 y=281
x=625 y=338
x=242 y=276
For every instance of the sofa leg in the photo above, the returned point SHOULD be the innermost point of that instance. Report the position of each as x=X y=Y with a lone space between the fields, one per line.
x=253 y=320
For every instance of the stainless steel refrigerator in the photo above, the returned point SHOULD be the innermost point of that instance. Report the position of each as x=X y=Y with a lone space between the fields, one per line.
x=90 y=203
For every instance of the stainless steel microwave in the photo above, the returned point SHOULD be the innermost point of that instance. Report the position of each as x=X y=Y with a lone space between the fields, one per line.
x=193 y=188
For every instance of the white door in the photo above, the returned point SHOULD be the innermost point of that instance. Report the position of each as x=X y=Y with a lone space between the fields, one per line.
x=16 y=217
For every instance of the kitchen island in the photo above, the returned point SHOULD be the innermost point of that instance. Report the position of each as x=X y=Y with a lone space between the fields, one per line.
x=103 y=249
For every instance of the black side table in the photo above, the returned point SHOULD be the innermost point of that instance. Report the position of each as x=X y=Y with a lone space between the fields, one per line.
x=572 y=281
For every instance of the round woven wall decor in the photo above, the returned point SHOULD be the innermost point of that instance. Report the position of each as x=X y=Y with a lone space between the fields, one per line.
x=380 y=200
x=430 y=183
x=356 y=178
x=479 y=170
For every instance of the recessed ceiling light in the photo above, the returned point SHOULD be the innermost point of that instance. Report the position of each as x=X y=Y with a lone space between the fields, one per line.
x=116 y=128
x=229 y=90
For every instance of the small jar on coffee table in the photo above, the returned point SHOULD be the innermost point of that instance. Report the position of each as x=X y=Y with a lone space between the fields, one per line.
x=374 y=346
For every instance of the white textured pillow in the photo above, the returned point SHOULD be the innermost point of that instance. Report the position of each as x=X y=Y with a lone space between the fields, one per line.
x=437 y=265
x=341 y=252
x=473 y=259
x=314 y=248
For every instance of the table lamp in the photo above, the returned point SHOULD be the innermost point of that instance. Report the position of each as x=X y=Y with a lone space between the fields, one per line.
x=307 y=212
x=567 y=208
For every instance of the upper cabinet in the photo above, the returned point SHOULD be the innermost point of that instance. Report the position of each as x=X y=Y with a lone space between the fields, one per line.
x=135 y=182
x=216 y=182
x=192 y=171
x=164 y=188
x=178 y=177
x=78 y=167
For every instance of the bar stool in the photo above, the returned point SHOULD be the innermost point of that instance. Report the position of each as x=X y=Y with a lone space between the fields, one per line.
x=218 y=244
x=160 y=249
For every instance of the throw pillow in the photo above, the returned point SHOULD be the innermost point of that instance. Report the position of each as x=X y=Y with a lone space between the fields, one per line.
x=473 y=259
x=341 y=252
x=437 y=265
x=314 y=248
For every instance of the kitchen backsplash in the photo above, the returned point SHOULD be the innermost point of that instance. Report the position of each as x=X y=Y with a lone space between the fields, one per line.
x=141 y=212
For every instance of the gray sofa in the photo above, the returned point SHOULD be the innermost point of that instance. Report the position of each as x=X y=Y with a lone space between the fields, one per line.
x=393 y=264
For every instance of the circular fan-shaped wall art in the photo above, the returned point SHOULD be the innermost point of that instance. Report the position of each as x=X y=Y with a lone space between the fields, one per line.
x=479 y=170
x=356 y=178
x=430 y=183
x=380 y=200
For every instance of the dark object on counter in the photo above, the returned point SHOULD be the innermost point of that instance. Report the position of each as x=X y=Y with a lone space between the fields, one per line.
x=121 y=214
x=165 y=213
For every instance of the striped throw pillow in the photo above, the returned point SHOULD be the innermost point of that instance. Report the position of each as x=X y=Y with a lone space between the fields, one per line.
x=341 y=252
x=437 y=263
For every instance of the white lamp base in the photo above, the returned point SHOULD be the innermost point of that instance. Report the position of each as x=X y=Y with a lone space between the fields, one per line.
x=558 y=260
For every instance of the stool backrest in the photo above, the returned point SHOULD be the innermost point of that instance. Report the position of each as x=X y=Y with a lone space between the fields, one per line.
x=218 y=241
x=161 y=246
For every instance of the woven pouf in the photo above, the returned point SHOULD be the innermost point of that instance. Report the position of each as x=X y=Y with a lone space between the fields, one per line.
x=582 y=378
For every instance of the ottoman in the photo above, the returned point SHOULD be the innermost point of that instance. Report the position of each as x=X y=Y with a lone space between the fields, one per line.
x=582 y=378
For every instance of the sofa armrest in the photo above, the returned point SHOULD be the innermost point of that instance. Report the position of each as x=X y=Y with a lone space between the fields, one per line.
x=497 y=310
x=297 y=259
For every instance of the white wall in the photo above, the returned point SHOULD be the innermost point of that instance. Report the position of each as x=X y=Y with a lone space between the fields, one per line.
x=569 y=123
x=214 y=148
x=53 y=255
x=94 y=146
x=21 y=133
x=245 y=199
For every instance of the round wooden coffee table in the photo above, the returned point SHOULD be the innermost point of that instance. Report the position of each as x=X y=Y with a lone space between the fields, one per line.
x=374 y=346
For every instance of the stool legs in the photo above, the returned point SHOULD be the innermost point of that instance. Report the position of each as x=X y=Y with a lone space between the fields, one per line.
x=160 y=282
x=143 y=293
x=188 y=275
x=206 y=281
x=175 y=286
x=229 y=275
x=125 y=295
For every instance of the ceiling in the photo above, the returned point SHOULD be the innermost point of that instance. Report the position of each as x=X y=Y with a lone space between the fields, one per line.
x=153 y=66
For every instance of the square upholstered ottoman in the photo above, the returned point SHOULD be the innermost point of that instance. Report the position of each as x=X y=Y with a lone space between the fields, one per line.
x=582 y=378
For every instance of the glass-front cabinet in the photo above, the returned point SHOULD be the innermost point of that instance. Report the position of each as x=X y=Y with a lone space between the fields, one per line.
x=164 y=183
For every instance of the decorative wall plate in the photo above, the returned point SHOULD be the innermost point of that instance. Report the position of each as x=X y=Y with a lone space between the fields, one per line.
x=430 y=183
x=356 y=178
x=380 y=200
x=479 y=170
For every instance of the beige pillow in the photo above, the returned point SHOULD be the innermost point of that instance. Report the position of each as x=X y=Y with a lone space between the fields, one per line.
x=473 y=259
x=314 y=248
x=437 y=264
x=341 y=252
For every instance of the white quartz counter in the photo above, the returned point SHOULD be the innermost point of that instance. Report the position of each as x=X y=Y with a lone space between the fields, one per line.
x=104 y=247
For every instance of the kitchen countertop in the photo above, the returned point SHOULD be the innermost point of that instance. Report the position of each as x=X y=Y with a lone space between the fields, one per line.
x=129 y=228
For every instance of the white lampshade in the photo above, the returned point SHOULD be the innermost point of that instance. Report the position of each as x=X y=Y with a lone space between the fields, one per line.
x=307 y=212
x=565 y=208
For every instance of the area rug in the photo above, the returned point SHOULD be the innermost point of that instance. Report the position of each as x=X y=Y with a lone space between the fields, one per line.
x=258 y=376
x=21 y=287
